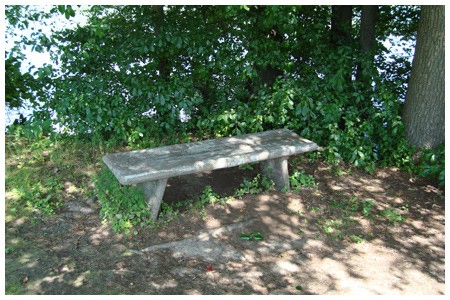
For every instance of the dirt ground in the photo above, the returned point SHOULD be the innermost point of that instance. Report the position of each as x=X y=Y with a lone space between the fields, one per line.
x=74 y=253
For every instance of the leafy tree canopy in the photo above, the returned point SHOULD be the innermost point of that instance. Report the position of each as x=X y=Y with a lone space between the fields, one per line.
x=134 y=71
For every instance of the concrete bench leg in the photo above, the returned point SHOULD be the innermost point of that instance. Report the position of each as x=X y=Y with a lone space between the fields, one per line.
x=154 y=191
x=277 y=170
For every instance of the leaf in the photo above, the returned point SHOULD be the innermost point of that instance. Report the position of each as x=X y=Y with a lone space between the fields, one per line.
x=162 y=100
x=85 y=54
x=299 y=288
x=61 y=8
x=245 y=237
x=209 y=268
x=179 y=42
x=257 y=236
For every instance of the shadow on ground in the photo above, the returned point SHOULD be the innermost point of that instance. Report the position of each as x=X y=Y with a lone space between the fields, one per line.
x=301 y=253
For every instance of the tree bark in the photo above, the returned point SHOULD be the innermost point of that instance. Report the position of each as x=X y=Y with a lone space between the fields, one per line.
x=424 y=111
x=341 y=24
x=341 y=36
x=366 y=41
x=267 y=73
x=163 y=62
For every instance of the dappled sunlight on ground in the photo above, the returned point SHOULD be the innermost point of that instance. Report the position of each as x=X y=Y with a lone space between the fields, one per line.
x=319 y=240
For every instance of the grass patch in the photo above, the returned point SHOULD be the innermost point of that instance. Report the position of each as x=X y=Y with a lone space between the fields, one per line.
x=341 y=219
x=38 y=170
x=14 y=289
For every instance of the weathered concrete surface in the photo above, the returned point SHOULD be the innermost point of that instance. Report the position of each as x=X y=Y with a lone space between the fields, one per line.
x=209 y=244
x=154 y=192
x=277 y=170
x=165 y=162
x=151 y=168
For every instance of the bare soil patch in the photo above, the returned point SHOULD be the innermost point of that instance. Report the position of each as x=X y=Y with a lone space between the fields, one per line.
x=314 y=242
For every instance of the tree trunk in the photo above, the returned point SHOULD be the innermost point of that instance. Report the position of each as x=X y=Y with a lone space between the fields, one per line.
x=424 y=111
x=268 y=73
x=365 y=67
x=163 y=62
x=366 y=42
x=341 y=36
x=341 y=32
x=341 y=24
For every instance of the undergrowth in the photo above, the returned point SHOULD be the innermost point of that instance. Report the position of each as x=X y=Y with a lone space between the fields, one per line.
x=40 y=165
x=127 y=210
x=340 y=220
x=38 y=170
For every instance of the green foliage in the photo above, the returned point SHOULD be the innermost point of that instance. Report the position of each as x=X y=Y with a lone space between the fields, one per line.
x=227 y=69
x=123 y=206
x=18 y=86
x=267 y=184
x=39 y=169
x=432 y=164
x=9 y=250
x=335 y=228
x=393 y=215
x=255 y=186
x=341 y=219
x=351 y=204
x=357 y=239
x=31 y=187
x=66 y=10
x=367 y=206
x=249 y=187
x=208 y=197
x=31 y=192
x=254 y=236
x=34 y=130
x=299 y=179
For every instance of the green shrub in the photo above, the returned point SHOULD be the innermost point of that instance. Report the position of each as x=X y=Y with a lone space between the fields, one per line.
x=43 y=196
x=299 y=179
x=124 y=206
x=432 y=164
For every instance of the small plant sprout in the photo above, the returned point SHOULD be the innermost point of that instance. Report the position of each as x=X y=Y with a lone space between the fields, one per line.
x=254 y=236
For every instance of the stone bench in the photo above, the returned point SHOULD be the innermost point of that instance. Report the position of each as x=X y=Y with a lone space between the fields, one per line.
x=151 y=168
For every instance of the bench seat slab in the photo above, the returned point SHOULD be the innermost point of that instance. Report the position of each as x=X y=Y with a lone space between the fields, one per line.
x=151 y=164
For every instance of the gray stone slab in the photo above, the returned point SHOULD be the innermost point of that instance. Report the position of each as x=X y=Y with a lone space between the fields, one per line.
x=212 y=245
x=207 y=244
x=160 y=163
